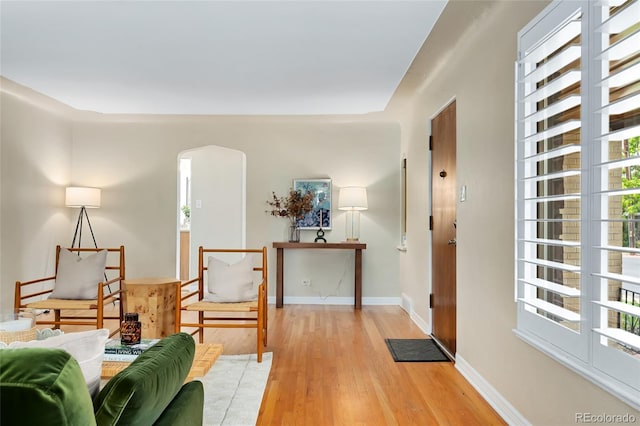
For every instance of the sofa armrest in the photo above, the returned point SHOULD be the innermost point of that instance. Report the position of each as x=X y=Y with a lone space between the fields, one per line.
x=187 y=407
x=40 y=386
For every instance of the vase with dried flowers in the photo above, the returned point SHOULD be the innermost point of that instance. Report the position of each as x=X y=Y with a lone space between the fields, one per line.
x=294 y=206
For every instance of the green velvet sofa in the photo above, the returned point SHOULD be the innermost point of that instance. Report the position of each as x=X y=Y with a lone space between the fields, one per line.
x=46 y=386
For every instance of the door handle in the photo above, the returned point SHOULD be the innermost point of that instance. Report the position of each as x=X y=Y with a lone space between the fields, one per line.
x=452 y=242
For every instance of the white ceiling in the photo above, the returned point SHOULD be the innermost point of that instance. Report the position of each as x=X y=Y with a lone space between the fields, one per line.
x=214 y=57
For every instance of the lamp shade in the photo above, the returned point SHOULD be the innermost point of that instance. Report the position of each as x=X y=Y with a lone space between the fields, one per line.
x=352 y=198
x=76 y=196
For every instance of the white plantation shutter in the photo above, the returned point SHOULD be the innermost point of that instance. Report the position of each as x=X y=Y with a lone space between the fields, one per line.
x=550 y=78
x=578 y=189
x=616 y=100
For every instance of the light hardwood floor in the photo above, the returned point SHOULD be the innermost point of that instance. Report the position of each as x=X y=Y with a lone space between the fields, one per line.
x=331 y=366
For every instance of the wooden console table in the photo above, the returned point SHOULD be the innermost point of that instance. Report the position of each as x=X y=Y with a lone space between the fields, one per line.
x=358 y=247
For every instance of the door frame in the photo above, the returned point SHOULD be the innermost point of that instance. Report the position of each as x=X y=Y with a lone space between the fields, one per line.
x=430 y=200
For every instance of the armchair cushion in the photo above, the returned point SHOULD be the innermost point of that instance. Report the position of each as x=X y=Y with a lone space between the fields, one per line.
x=78 y=278
x=40 y=386
x=230 y=282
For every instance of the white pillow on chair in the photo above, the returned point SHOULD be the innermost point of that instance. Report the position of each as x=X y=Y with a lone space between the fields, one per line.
x=230 y=283
x=77 y=277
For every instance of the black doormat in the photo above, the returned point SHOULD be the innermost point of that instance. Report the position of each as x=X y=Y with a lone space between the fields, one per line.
x=415 y=350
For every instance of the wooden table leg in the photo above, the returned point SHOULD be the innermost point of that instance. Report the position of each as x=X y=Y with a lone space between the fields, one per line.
x=280 y=278
x=358 y=279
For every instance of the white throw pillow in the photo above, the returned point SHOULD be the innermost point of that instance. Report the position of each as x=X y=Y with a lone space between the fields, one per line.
x=87 y=347
x=230 y=283
x=77 y=277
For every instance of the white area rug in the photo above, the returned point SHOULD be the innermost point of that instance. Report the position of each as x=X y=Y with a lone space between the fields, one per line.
x=233 y=389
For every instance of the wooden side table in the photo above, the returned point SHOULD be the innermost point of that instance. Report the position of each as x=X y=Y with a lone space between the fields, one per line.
x=154 y=299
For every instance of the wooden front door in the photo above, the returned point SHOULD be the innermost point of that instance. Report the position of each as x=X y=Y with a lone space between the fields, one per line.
x=443 y=208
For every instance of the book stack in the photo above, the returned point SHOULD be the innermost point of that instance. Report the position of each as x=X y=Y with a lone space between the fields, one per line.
x=115 y=351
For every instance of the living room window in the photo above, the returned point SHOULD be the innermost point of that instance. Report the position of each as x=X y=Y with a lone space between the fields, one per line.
x=578 y=189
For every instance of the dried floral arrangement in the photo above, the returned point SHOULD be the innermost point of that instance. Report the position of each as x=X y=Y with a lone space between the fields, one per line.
x=294 y=206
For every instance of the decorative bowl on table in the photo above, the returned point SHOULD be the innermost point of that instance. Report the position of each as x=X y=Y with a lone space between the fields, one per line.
x=17 y=325
x=21 y=327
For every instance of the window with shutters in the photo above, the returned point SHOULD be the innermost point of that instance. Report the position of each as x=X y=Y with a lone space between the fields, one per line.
x=578 y=189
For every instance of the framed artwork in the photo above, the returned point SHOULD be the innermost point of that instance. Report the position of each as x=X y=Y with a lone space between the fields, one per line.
x=320 y=216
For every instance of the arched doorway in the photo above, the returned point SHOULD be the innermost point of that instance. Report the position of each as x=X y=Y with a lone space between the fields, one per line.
x=212 y=189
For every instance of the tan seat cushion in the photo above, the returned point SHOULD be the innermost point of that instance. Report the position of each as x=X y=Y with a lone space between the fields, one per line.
x=224 y=307
x=63 y=304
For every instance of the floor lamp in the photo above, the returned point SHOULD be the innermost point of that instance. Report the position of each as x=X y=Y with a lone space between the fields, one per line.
x=83 y=198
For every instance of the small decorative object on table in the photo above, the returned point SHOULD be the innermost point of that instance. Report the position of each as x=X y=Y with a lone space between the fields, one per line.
x=294 y=234
x=131 y=329
x=17 y=326
x=320 y=233
x=293 y=207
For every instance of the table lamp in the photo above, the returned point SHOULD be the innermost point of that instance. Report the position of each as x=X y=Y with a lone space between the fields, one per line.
x=353 y=199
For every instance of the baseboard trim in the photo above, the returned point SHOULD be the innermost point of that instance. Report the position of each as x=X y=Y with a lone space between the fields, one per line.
x=421 y=323
x=407 y=305
x=507 y=411
x=294 y=300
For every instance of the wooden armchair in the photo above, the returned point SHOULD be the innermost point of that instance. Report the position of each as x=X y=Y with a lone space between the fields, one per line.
x=75 y=307
x=225 y=307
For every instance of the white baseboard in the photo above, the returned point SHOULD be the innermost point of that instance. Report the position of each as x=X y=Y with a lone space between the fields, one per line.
x=421 y=323
x=407 y=305
x=393 y=301
x=293 y=300
x=507 y=411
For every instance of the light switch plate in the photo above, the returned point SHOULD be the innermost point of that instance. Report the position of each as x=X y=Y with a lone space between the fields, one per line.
x=463 y=193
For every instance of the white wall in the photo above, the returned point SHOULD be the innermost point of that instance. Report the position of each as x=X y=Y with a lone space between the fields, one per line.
x=47 y=146
x=471 y=55
x=35 y=146
x=134 y=160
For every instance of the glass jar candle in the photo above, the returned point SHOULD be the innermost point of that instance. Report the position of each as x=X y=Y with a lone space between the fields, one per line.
x=131 y=329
